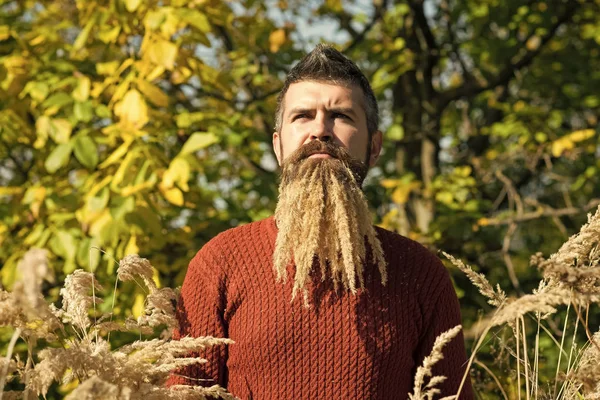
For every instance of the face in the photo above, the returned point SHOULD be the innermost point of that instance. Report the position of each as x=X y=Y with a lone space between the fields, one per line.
x=327 y=112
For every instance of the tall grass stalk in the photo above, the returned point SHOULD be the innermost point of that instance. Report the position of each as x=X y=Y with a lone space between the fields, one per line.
x=78 y=352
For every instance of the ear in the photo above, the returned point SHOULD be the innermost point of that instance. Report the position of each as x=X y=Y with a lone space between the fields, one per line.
x=376 y=143
x=277 y=147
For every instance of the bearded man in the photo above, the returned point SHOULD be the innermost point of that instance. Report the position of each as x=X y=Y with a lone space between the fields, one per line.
x=365 y=305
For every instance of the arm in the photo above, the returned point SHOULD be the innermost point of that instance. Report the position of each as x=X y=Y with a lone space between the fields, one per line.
x=200 y=311
x=441 y=314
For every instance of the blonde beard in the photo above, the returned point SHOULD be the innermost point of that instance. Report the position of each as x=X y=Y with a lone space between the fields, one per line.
x=323 y=213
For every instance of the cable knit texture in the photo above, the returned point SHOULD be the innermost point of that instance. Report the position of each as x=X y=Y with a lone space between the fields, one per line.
x=363 y=346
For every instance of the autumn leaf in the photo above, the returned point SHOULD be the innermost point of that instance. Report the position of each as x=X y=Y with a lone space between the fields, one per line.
x=133 y=109
x=162 y=52
x=276 y=40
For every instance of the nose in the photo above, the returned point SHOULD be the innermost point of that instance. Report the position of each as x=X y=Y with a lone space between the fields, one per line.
x=320 y=131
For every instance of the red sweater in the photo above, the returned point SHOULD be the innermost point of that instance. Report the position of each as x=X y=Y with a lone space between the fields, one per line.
x=364 y=346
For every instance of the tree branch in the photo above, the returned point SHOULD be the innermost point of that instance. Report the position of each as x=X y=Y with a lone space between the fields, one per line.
x=358 y=37
x=469 y=89
x=455 y=51
x=432 y=48
x=543 y=211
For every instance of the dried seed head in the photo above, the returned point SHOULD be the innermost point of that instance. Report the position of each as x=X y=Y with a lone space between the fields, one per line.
x=34 y=270
x=133 y=265
x=77 y=299
x=428 y=362
x=95 y=388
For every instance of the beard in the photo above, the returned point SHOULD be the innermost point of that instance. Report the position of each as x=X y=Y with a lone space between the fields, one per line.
x=323 y=219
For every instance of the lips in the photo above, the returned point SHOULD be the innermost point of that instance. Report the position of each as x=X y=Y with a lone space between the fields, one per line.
x=321 y=155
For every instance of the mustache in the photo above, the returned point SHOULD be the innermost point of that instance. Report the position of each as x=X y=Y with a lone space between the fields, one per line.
x=340 y=154
x=319 y=147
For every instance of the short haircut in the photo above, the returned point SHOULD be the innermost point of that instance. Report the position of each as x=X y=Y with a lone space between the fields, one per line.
x=326 y=64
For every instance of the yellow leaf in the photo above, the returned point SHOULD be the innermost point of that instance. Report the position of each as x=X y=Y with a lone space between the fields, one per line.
x=180 y=75
x=198 y=141
x=82 y=91
x=153 y=93
x=533 y=43
x=123 y=169
x=118 y=154
x=109 y=35
x=107 y=68
x=85 y=32
x=390 y=183
x=132 y=247
x=519 y=106
x=197 y=19
x=276 y=40
x=100 y=222
x=568 y=142
x=444 y=197
x=155 y=73
x=580 y=136
x=178 y=172
x=42 y=127
x=402 y=192
x=138 y=306
x=133 y=109
x=456 y=79
x=491 y=154
x=162 y=52
x=4 y=32
x=60 y=130
x=132 y=5
x=9 y=191
x=483 y=222
x=174 y=196
x=335 y=5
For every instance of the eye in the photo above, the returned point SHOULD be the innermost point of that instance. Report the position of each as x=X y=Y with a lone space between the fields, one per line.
x=336 y=115
x=299 y=116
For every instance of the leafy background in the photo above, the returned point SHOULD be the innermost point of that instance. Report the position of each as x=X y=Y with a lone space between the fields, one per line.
x=130 y=126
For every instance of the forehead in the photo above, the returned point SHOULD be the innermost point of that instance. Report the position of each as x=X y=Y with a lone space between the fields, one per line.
x=328 y=94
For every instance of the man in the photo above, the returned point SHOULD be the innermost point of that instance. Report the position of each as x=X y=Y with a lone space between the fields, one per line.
x=365 y=304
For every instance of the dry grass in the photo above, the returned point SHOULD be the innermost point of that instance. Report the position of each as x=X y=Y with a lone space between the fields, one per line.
x=78 y=351
x=571 y=278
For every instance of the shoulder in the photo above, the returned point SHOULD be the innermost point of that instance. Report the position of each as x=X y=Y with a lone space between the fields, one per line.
x=402 y=247
x=416 y=263
x=238 y=238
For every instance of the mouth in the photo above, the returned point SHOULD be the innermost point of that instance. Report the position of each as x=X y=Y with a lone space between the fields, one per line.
x=321 y=155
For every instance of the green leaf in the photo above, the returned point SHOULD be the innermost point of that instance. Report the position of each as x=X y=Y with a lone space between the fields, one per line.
x=395 y=132
x=57 y=100
x=198 y=141
x=83 y=35
x=196 y=19
x=85 y=151
x=132 y=5
x=84 y=112
x=64 y=245
x=59 y=157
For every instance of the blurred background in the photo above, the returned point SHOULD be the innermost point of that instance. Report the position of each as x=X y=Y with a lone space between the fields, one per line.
x=133 y=126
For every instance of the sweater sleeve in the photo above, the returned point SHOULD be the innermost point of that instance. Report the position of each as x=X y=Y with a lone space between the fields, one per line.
x=440 y=315
x=200 y=312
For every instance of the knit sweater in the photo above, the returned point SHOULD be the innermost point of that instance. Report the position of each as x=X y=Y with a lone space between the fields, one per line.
x=366 y=345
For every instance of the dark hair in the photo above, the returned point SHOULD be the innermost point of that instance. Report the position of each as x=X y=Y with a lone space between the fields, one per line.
x=326 y=64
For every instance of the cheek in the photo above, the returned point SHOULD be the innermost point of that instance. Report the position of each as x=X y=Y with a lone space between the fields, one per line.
x=356 y=144
x=298 y=132
x=292 y=139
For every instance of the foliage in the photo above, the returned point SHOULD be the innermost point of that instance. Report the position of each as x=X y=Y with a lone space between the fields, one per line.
x=145 y=127
x=74 y=349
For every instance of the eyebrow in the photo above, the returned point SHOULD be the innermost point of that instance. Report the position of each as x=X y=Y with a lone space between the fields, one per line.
x=299 y=110
x=303 y=110
x=344 y=110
